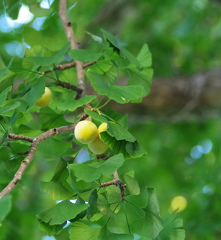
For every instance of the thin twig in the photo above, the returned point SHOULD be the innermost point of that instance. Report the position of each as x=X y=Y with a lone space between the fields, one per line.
x=69 y=86
x=20 y=137
x=116 y=182
x=74 y=44
x=30 y=156
x=69 y=65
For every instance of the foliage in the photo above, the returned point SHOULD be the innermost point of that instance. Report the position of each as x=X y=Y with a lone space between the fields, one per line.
x=183 y=158
x=87 y=202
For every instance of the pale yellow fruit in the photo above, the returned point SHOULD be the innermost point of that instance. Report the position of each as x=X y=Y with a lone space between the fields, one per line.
x=85 y=131
x=178 y=203
x=45 y=99
x=97 y=146
x=102 y=127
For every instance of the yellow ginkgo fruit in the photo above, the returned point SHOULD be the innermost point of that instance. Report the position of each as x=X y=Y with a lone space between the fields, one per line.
x=45 y=99
x=178 y=203
x=85 y=131
x=98 y=146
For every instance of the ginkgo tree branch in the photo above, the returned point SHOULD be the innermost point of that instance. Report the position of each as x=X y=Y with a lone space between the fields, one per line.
x=32 y=150
x=69 y=65
x=116 y=182
x=74 y=44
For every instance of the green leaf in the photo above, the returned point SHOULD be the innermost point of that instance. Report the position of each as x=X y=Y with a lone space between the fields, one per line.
x=53 y=147
x=150 y=225
x=39 y=12
x=81 y=231
x=132 y=185
x=112 y=164
x=35 y=92
x=117 y=117
x=85 y=172
x=9 y=106
x=173 y=228
x=50 y=61
x=13 y=9
x=120 y=146
x=95 y=38
x=119 y=132
x=93 y=204
x=72 y=105
x=5 y=207
x=96 y=116
x=51 y=119
x=140 y=77
x=3 y=95
x=89 y=171
x=84 y=55
x=58 y=188
x=117 y=47
x=51 y=230
x=144 y=57
x=61 y=212
x=120 y=94
x=134 y=149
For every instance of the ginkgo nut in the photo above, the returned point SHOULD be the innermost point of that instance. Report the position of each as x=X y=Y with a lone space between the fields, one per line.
x=85 y=131
x=45 y=99
x=178 y=203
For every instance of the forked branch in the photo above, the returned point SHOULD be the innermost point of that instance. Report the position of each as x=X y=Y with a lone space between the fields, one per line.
x=32 y=150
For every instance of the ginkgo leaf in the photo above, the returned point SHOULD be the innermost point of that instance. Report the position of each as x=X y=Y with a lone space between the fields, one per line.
x=120 y=94
x=50 y=61
x=61 y=212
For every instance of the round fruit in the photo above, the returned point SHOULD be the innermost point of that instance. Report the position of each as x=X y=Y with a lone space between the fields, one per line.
x=45 y=99
x=97 y=146
x=178 y=203
x=102 y=127
x=85 y=131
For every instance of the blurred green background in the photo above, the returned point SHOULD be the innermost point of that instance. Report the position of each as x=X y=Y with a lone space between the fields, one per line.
x=183 y=157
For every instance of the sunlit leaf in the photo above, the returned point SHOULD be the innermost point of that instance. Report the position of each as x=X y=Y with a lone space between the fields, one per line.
x=173 y=228
x=85 y=172
x=51 y=229
x=58 y=188
x=61 y=212
x=71 y=104
x=50 y=61
x=111 y=164
x=120 y=94
x=149 y=225
x=84 y=55
x=144 y=57
x=82 y=231
x=132 y=184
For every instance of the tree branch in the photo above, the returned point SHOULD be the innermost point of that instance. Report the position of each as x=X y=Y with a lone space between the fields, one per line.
x=69 y=65
x=20 y=137
x=74 y=44
x=116 y=182
x=30 y=154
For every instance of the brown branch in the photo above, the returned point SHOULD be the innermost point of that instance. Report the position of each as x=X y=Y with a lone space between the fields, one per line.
x=116 y=182
x=35 y=142
x=69 y=86
x=69 y=65
x=74 y=44
x=20 y=137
